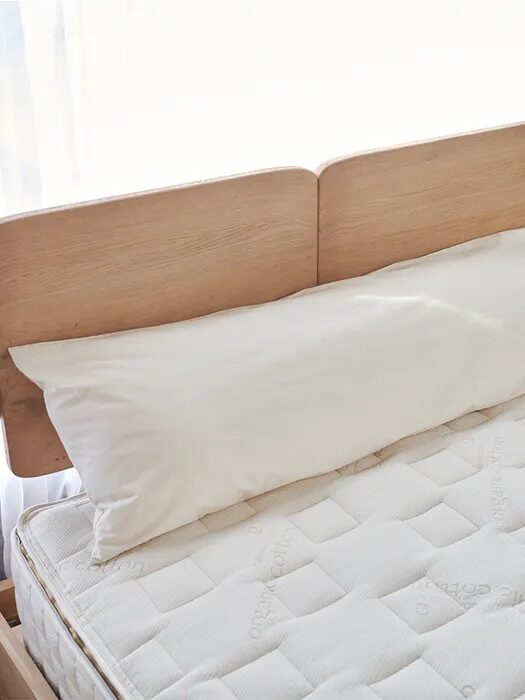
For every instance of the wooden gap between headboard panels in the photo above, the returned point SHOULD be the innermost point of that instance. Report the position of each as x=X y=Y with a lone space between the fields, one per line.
x=172 y=254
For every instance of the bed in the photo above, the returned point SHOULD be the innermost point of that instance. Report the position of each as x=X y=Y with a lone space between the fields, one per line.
x=416 y=582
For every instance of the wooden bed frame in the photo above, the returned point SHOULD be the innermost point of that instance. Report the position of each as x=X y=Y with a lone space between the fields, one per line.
x=173 y=254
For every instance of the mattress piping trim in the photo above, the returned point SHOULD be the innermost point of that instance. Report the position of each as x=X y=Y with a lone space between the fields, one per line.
x=76 y=638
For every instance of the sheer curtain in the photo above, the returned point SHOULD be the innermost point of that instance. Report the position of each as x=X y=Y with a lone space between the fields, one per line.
x=100 y=97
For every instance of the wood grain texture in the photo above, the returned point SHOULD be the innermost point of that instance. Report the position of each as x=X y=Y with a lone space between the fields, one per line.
x=385 y=206
x=139 y=261
x=7 y=600
x=20 y=678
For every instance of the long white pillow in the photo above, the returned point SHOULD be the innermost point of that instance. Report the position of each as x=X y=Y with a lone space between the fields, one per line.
x=167 y=424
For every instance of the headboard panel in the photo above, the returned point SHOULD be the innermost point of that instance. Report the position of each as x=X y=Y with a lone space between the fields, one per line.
x=139 y=261
x=385 y=206
x=168 y=255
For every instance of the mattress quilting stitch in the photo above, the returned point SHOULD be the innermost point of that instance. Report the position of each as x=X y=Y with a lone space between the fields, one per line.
x=389 y=575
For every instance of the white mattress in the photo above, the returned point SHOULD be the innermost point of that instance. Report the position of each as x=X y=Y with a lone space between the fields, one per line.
x=405 y=580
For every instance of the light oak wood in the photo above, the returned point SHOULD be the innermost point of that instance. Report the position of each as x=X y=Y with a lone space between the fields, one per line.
x=163 y=256
x=20 y=678
x=7 y=600
x=385 y=206
x=17 y=631
x=140 y=261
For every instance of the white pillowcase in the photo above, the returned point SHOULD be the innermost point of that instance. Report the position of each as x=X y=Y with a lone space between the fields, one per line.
x=167 y=424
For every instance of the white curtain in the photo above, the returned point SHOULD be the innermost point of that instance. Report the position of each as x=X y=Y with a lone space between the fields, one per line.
x=100 y=97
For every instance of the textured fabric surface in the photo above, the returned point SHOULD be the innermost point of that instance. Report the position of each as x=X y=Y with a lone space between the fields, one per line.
x=50 y=643
x=235 y=404
x=17 y=494
x=401 y=576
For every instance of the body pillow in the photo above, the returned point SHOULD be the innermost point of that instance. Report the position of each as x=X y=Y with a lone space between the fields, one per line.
x=167 y=424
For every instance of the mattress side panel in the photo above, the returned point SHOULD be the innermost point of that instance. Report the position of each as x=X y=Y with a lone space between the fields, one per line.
x=50 y=644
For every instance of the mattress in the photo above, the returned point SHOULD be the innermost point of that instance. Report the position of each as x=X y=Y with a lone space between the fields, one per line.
x=400 y=576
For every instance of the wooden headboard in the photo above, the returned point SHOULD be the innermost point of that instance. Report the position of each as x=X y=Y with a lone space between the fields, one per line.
x=385 y=206
x=139 y=261
x=164 y=256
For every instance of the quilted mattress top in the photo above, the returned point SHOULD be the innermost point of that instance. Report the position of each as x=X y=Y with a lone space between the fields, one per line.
x=400 y=576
